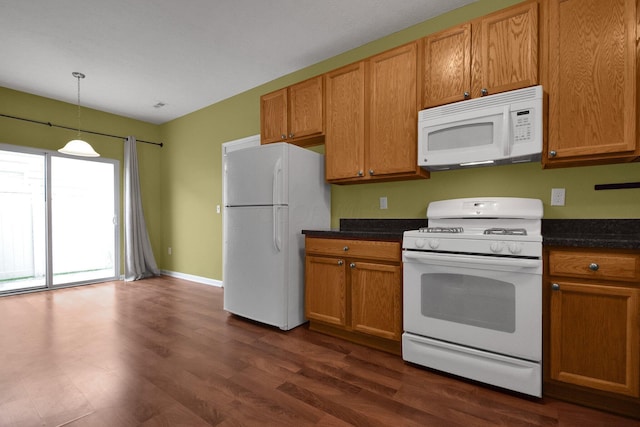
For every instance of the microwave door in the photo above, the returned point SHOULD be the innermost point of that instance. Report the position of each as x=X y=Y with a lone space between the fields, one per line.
x=474 y=136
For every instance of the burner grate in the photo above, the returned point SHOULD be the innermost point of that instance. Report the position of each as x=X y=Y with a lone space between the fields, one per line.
x=441 y=230
x=506 y=231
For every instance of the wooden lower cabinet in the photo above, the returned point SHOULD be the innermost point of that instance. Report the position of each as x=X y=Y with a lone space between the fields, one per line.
x=592 y=333
x=353 y=290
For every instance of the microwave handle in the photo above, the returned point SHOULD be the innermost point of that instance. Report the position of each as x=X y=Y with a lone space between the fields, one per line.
x=506 y=131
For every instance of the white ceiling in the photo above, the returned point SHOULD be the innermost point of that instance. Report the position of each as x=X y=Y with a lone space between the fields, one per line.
x=186 y=54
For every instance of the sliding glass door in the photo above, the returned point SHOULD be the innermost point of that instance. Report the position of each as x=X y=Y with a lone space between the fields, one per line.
x=23 y=251
x=58 y=220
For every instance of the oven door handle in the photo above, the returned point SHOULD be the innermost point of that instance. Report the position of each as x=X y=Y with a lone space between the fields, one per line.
x=430 y=258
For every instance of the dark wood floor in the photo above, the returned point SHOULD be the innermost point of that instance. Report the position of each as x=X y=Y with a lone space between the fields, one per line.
x=162 y=352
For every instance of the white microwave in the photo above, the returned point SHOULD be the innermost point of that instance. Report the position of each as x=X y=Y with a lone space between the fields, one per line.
x=493 y=130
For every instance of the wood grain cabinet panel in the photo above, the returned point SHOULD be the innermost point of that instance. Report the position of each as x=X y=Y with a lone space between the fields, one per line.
x=294 y=114
x=592 y=82
x=345 y=106
x=273 y=117
x=376 y=299
x=372 y=114
x=592 y=327
x=447 y=66
x=594 y=337
x=505 y=50
x=325 y=296
x=353 y=290
x=492 y=54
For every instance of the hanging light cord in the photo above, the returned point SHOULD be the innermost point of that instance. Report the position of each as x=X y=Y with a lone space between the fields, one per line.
x=78 y=76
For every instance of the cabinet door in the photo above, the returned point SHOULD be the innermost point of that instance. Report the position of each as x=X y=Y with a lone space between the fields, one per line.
x=344 y=139
x=446 y=67
x=595 y=338
x=393 y=117
x=325 y=290
x=592 y=79
x=273 y=117
x=376 y=299
x=306 y=112
x=505 y=50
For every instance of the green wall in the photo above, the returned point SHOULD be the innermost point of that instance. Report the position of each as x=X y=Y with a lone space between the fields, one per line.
x=182 y=182
x=191 y=178
x=16 y=132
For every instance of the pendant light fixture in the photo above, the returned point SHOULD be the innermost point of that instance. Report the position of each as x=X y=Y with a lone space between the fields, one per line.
x=78 y=147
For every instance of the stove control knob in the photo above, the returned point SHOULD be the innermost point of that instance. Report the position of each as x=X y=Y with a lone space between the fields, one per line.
x=515 y=248
x=497 y=246
x=434 y=243
x=420 y=243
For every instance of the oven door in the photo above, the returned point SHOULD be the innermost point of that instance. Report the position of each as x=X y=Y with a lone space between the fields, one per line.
x=485 y=302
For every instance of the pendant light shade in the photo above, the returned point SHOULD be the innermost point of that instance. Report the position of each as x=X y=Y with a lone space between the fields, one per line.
x=78 y=147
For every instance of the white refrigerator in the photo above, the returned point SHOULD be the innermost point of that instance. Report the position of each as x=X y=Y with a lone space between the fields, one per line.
x=272 y=193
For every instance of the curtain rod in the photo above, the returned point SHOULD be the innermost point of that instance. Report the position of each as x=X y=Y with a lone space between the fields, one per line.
x=76 y=129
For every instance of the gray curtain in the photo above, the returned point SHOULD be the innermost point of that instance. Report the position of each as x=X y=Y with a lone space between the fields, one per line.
x=138 y=255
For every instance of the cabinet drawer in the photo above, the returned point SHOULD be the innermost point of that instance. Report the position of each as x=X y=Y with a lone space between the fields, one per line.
x=595 y=264
x=370 y=249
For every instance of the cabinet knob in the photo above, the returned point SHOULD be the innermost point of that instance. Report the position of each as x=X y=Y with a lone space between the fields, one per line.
x=484 y=92
x=593 y=266
x=340 y=262
x=291 y=135
x=553 y=153
x=555 y=287
x=352 y=265
x=467 y=95
x=360 y=173
x=283 y=136
x=346 y=248
x=371 y=172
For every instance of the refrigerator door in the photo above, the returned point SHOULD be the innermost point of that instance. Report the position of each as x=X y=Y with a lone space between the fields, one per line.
x=256 y=264
x=257 y=176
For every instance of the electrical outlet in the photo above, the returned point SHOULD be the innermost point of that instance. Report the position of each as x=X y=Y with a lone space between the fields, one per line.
x=169 y=250
x=383 y=203
x=557 y=197
x=217 y=208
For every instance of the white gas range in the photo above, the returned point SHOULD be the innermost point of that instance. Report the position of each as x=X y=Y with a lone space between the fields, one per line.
x=473 y=291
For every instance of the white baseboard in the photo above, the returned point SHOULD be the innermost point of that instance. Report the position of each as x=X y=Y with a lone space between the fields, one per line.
x=192 y=278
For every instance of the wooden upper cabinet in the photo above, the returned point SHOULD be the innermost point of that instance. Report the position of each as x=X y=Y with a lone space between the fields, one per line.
x=505 y=50
x=372 y=116
x=294 y=114
x=273 y=117
x=592 y=81
x=447 y=69
x=492 y=54
x=393 y=115
x=306 y=108
x=344 y=144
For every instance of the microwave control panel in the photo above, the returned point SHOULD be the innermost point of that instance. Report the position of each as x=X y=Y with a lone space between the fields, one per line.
x=522 y=122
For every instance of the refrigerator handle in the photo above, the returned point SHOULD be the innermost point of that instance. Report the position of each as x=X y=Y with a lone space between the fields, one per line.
x=276 y=229
x=277 y=170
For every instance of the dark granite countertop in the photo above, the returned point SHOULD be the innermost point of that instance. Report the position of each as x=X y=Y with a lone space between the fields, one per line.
x=372 y=229
x=592 y=233
x=586 y=233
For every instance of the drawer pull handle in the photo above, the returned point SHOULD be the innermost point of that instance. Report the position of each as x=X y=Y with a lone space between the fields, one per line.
x=555 y=287
x=340 y=262
x=593 y=266
x=352 y=265
x=346 y=248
